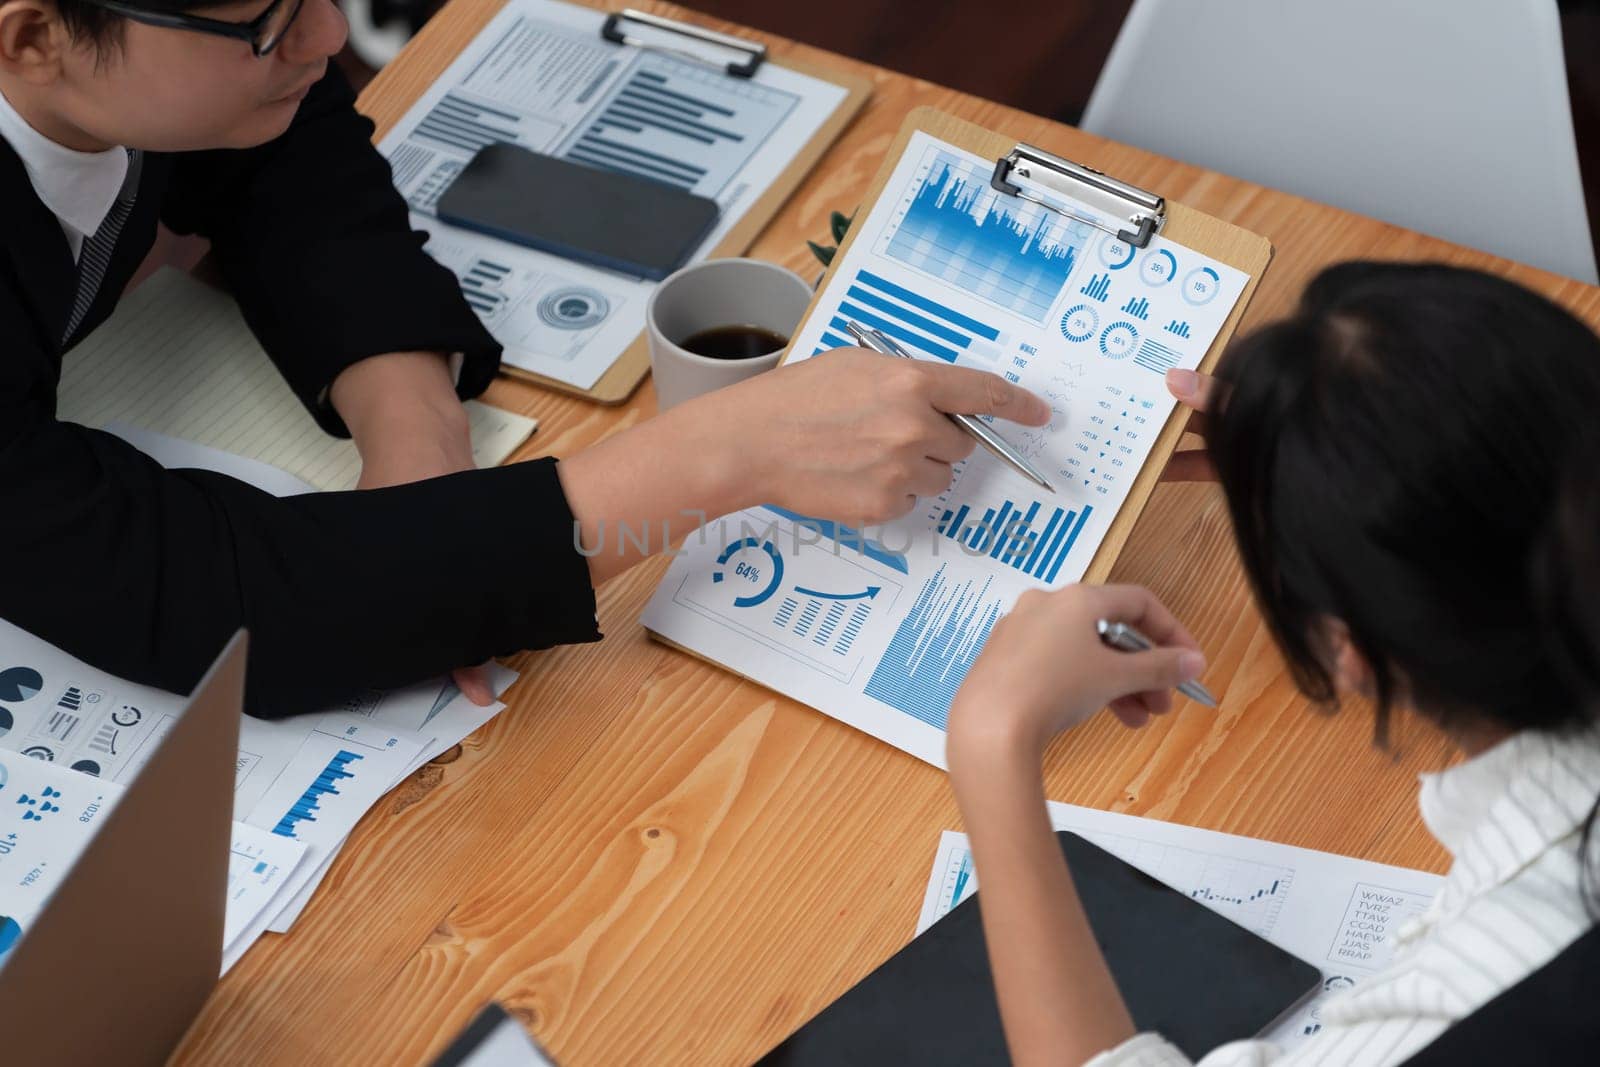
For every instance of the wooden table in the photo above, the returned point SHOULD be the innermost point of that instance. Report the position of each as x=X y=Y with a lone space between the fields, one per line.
x=651 y=861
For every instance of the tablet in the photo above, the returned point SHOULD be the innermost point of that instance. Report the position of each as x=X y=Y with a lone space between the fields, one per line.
x=1195 y=977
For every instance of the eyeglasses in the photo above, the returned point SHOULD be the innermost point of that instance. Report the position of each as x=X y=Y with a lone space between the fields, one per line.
x=262 y=32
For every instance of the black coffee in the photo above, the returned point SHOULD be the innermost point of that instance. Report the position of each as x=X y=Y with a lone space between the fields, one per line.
x=735 y=342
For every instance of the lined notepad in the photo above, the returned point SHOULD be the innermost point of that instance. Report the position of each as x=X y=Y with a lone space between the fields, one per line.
x=178 y=359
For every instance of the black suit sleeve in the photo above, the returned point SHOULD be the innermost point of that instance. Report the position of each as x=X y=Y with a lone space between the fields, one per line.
x=316 y=245
x=146 y=572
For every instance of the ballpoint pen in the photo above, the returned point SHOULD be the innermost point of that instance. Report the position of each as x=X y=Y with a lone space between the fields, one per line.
x=1124 y=638
x=986 y=437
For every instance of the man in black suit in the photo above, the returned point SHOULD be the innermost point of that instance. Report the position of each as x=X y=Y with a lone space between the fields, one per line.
x=226 y=120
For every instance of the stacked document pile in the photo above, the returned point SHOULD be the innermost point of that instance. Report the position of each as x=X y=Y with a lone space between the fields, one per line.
x=72 y=738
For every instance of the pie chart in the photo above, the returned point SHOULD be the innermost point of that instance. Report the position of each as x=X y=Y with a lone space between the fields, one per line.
x=20 y=683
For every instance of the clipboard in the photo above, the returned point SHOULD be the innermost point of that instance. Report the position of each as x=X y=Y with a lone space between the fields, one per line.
x=636 y=29
x=900 y=712
x=1025 y=171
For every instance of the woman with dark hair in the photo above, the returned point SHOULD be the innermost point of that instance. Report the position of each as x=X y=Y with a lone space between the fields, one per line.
x=1393 y=457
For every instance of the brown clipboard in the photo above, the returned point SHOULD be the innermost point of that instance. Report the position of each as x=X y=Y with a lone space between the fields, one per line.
x=1222 y=241
x=628 y=370
x=1239 y=248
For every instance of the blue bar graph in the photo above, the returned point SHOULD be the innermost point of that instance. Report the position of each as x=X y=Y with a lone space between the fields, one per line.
x=917 y=322
x=933 y=648
x=1153 y=355
x=1002 y=250
x=1013 y=536
x=1181 y=329
x=464 y=124
x=1138 y=307
x=305 y=809
x=1098 y=286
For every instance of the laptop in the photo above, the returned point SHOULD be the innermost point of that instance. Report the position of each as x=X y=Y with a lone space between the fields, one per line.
x=129 y=946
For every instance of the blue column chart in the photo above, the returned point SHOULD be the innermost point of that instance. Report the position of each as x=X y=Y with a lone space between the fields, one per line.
x=933 y=648
x=917 y=322
x=1015 y=538
x=680 y=123
x=1012 y=254
x=305 y=809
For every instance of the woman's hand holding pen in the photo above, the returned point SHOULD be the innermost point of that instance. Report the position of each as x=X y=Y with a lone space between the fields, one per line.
x=1044 y=669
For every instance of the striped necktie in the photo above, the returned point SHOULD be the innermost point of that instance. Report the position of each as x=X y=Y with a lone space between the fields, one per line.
x=95 y=256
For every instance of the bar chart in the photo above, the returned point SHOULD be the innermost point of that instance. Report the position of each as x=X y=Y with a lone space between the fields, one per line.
x=1013 y=537
x=1155 y=356
x=919 y=323
x=483 y=286
x=679 y=123
x=462 y=123
x=326 y=784
x=934 y=646
x=1002 y=250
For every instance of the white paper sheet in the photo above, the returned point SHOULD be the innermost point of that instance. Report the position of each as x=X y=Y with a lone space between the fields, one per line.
x=50 y=815
x=174 y=453
x=449 y=719
x=877 y=628
x=540 y=76
x=259 y=866
x=1337 y=913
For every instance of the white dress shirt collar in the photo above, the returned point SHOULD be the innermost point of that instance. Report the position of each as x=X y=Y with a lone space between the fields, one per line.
x=1505 y=807
x=79 y=188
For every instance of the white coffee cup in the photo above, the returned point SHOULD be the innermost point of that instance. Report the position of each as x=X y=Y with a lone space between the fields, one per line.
x=706 y=296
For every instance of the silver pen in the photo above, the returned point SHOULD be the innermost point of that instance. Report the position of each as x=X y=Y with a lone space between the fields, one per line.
x=1002 y=450
x=1124 y=638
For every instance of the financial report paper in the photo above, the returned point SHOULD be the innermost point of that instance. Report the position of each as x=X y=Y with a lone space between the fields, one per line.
x=1337 y=913
x=540 y=76
x=878 y=627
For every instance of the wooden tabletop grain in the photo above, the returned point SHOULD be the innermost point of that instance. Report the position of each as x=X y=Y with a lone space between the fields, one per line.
x=648 y=860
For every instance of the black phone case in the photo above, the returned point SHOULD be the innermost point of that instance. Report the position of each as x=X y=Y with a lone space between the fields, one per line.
x=621 y=222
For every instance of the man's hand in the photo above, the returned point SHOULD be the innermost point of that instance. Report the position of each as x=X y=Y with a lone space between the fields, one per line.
x=408 y=425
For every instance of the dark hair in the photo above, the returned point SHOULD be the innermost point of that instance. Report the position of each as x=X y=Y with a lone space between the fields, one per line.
x=1392 y=455
x=1567 y=570
x=102 y=28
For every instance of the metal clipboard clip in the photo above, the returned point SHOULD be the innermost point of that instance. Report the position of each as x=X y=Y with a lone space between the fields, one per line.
x=1143 y=212
x=754 y=52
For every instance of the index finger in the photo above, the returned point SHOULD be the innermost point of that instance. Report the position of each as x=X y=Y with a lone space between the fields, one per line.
x=965 y=391
x=1139 y=608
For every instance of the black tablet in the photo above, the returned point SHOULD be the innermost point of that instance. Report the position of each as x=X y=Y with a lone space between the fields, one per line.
x=1185 y=972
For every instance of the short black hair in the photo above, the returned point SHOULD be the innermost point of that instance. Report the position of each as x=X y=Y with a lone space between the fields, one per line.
x=1392 y=456
x=1567 y=569
x=86 y=20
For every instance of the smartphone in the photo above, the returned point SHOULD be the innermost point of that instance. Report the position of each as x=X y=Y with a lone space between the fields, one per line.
x=618 y=221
